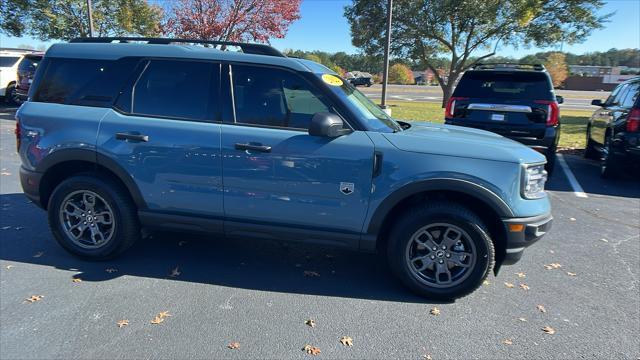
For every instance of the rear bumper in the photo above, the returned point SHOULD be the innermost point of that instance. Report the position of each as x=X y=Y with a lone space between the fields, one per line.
x=533 y=229
x=30 y=181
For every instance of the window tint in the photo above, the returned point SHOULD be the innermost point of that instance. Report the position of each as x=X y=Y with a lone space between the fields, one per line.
x=615 y=94
x=177 y=89
x=505 y=85
x=8 y=61
x=29 y=63
x=273 y=97
x=632 y=95
x=83 y=81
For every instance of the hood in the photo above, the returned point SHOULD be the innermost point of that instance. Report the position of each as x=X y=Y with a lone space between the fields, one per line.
x=460 y=141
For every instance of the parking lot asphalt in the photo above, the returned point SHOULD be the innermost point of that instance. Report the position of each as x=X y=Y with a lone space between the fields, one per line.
x=256 y=293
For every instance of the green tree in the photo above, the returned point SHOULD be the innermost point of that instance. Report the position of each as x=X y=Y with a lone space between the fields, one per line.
x=400 y=74
x=67 y=19
x=460 y=29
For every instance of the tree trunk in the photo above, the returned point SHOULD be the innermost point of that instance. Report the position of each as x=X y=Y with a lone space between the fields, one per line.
x=447 y=91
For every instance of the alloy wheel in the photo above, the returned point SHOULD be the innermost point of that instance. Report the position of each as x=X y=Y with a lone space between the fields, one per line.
x=87 y=219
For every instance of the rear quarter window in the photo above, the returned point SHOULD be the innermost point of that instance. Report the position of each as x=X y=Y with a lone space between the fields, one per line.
x=83 y=81
x=29 y=63
x=505 y=85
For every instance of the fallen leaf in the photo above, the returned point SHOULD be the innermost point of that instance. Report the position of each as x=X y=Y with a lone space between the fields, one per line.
x=175 y=272
x=434 y=311
x=76 y=280
x=507 y=342
x=555 y=265
x=310 y=322
x=524 y=287
x=313 y=350
x=521 y=275
x=122 y=323
x=34 y=298
x=509 y=285
x=164 y=314
x=427 y=357
x=604 y=240
x=157 y=320
x=311 y=274
x=541 y=308
x=111 y=270
x=38 y=254
x=522 y=319
x=571 y=274
x=234 y=345
x=572 y=219
x=9 y=267
x=549 y=330
x=346 y=341
x=486 y=282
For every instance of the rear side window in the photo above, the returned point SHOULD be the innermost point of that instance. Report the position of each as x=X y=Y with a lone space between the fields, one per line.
x=8 y=61
x=505 y=85
x=274 y=97
x=631 y=96
x=83 y=81
x=29 y=63
x=177 y=89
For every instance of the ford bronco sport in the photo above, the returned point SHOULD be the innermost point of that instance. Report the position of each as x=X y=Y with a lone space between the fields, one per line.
x=120 y=134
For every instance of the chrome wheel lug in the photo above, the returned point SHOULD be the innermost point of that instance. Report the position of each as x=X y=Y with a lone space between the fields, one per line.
x=448 y=255
x=444 y=247
x=433 y=257
x=435 y=248
x=441 y=261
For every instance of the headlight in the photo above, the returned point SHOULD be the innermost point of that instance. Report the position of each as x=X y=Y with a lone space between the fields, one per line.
x=533 y=179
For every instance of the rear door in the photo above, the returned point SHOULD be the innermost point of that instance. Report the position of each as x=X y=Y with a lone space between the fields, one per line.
x=605 y=115
x=280 y=182
x=165 y=133
x=510 y=103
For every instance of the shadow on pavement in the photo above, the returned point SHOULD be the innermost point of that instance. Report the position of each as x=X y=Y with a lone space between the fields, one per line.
x=587 y=172
x=256 y=265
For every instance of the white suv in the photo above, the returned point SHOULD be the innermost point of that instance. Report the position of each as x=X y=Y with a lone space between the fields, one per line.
x=9 y=60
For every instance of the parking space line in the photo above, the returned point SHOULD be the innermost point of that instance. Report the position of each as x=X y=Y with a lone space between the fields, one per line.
x=577 y=189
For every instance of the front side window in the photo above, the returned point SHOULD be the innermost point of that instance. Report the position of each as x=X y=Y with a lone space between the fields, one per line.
x=176 y=89
x=274 y=97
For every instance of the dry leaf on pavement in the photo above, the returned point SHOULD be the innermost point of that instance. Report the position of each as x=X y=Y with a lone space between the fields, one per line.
x=34 y=298
x=310 y=322
x=522 y=319
x=571 y=274
x=434 y=311
x=76 y=280
x=164 y=314
x=346 y=341
x=524 y=287
x=175 y=272
x=555 y=265
x=521 y=274
x=122 y=323
x=311 y=273
x=9 y=267
x=541 y=308
x=507 y=342
x=157 y=320
x=427 y=357
x=313 y=350
x=234 y=345
x=549 y=330
x=509 y=285
x=486 y=282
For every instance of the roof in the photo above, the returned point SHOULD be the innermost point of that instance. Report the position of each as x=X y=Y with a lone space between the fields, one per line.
x=113 y=51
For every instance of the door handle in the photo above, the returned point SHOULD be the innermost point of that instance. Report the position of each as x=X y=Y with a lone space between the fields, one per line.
x=253 y=147
x=132 y=137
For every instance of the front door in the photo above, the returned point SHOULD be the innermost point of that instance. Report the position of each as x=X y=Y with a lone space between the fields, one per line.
x=165 y=134
x=281 y=182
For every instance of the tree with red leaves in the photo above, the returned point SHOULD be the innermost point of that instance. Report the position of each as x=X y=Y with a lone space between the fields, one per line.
x=231 y=20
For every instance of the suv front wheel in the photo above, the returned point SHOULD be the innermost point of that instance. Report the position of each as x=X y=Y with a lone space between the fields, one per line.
x=441 y=250
x=93 y=218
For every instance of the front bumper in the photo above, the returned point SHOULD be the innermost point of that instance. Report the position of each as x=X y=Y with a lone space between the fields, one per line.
x=30 y=181
x=522 y=232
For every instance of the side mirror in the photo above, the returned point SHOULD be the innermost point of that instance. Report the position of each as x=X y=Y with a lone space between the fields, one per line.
x=597 y=102
x=559 y=99
x=327 y=125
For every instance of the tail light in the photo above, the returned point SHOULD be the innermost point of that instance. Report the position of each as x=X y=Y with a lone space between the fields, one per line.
x=633 y=121
x=18 y=133
x=451 y=106
x=553 y=112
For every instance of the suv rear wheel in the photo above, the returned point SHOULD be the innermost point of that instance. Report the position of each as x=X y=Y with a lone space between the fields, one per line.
x=590 y=151
x=93 y=218
x=608 y=162
x=441 y=250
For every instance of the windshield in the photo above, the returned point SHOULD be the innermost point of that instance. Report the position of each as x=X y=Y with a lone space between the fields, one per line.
x=376 y=119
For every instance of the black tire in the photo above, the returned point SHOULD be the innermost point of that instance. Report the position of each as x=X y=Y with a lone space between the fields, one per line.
x=436 y=213
x=590 y=151
x=551 y=162
x=609 y=162
x=126 y=226
x=10 y=95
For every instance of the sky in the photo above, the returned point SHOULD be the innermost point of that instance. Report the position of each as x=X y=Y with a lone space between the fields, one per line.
x=322 y=26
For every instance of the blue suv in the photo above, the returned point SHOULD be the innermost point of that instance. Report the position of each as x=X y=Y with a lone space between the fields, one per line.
x=124 y=134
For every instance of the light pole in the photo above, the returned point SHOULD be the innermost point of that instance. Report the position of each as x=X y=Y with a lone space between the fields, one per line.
x=89 y=8
x=385 y=73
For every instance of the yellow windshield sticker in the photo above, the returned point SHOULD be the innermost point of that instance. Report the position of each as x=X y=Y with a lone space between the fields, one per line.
x=331 y=80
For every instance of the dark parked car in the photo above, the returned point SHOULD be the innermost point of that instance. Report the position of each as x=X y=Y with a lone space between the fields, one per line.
x=361 y=81
x=514 y=100
x=613 y=132
x=26 y=71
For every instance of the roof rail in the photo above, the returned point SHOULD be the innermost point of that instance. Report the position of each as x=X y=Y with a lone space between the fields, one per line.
x=18 y=50
x=247 y=48
x=484 y=66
